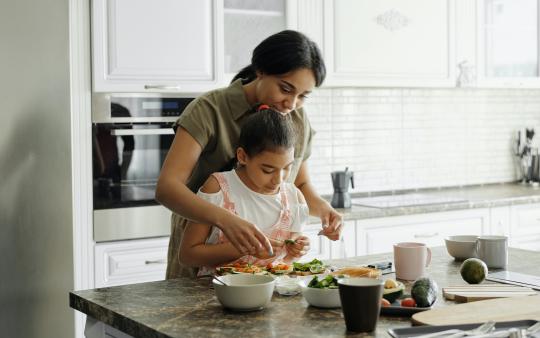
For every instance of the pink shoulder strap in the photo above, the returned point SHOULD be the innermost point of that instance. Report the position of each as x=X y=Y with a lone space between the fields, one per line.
x=224 y=185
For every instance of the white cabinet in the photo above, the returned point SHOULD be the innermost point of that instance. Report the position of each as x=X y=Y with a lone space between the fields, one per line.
x=380 y=234
x=127 y=262
x=319 y=245
x=525 y=230
x=247 y=23
x=144 y=45
x=390 y=42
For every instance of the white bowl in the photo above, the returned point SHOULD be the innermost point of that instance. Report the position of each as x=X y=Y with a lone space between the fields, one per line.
x=325 y=298
x=461 y=247
x=244 y=292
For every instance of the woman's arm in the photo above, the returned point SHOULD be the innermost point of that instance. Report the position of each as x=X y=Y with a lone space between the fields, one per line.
x=173 y=193
x=331 y=220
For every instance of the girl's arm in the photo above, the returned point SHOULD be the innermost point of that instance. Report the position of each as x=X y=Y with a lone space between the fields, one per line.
x=173 y=193
x=331 y=220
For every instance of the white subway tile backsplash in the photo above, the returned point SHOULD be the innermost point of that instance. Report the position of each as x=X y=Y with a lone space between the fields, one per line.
x=397 y=139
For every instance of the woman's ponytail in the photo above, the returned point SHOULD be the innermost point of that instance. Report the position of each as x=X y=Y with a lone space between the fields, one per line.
x=247 y=74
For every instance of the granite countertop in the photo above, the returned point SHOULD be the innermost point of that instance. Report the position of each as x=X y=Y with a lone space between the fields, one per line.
x=477 y=196
x=188 y=308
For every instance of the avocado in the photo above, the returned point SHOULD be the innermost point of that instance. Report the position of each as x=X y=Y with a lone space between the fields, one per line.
x=424 y=292
x=391 y=294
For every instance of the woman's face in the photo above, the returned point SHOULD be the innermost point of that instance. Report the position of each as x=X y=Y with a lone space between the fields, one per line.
x=285 y=92
x=264 y=172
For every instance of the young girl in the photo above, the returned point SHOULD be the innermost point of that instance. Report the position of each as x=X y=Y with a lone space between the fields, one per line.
x=256 y=191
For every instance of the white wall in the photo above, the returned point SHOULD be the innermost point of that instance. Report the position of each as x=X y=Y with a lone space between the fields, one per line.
x=414 y=138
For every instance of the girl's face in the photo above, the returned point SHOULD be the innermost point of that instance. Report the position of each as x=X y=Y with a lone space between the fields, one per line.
x=264 y=172
x=284 y=92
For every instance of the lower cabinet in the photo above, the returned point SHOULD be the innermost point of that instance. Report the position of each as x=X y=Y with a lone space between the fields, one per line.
x=128 y=262
x=525 y=230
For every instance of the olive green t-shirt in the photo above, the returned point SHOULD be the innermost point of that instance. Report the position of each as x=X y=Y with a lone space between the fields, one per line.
x=214 y=120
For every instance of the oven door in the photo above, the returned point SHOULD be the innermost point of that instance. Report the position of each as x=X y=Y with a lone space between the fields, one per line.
x=127 y=160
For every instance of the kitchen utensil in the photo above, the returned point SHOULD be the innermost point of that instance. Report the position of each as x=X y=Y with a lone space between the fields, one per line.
x=484 y=328
x=411 y=260
x=340 y=180
x=500 y=309
x=472 y=293
x=409 y=332
x=244 y=292
x=493 y=250
x=360 y=302
x=461 y=247
x=515 y=278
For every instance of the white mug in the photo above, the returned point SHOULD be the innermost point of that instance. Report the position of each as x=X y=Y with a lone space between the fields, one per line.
x=493 y=250
x=411 y=260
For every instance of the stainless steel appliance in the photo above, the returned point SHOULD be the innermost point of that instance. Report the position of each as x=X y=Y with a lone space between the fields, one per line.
x=131 y=137
x=340 y=180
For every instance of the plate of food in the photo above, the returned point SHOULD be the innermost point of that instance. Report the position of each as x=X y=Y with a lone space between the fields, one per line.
x=309 y=268
x=401 y=307
x=279 y=268
x=241 y=268
x=358 y=271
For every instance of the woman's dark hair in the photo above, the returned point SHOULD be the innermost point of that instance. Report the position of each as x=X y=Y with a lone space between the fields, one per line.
x=284 y=52
x=267 y=129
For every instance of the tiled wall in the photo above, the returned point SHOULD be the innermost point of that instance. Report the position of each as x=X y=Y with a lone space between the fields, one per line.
x=397 y=139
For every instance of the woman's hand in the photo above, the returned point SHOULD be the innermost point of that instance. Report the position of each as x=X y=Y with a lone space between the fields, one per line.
x=299 y=248
x=332 y=221
x=246 y=237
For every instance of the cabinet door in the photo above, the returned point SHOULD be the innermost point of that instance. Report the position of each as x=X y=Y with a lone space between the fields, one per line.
x=525 y=229
x=346 y=246
x=144 y=45
x=390 y=42
x=128 y=262
x=319 y=245
x=431 y=229
x=263 y=18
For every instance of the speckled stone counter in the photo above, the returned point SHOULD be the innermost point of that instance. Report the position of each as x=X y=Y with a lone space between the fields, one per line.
x=478 y=196
x=188 y=308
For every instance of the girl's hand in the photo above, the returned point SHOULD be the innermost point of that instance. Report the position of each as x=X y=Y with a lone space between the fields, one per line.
x=246 y=237
x=299 y=248
x=332 y=221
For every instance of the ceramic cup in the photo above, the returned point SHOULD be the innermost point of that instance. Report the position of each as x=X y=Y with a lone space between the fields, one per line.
x=360 y=302
x=493 y=250
x=411 y=260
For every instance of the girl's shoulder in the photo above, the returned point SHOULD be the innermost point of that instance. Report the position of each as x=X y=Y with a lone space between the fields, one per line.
x=211 y=186
x=294 y=193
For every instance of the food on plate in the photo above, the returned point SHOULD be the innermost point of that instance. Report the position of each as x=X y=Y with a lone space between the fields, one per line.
x=313 y=267
x=424 y=291
x=328 y=282
x=385 y=303
x=408 y=302
x=392 y=290
x=473 y=271
x=358 y=271
x=279 y=268
x=240 y=268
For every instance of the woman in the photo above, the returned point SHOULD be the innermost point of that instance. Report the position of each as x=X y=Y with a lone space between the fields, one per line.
x=284 y=69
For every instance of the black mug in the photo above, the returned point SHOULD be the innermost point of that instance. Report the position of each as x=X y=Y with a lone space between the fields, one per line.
x=361 y=302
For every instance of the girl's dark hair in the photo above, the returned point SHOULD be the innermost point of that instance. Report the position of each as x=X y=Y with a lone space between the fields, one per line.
x=284 y=52
x=267 y=129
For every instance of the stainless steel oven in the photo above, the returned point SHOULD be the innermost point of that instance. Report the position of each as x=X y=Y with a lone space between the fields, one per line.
x=131 y=135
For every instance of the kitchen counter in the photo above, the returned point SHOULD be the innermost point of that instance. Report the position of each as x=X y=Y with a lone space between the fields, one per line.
x=188 y=308
x=478 y=196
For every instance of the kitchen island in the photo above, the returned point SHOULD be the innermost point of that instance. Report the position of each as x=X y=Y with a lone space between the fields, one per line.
x=188 y=308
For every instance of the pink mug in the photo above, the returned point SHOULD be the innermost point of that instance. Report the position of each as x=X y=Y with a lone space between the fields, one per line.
x=411 y=260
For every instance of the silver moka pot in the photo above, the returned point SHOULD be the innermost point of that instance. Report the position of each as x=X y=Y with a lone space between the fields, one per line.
x=340 y=180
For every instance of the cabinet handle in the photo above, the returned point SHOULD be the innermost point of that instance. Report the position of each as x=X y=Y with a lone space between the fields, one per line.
x=435 y=234
x=162 y=87
x=157 y=261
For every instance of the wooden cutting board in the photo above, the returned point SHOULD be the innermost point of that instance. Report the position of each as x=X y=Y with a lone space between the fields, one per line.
x=499 y=310
x=472 y=293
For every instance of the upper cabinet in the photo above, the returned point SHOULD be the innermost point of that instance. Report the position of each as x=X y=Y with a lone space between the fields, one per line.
x=247 y=23
x=508 y=43
x=142 y=45
x=390 y=42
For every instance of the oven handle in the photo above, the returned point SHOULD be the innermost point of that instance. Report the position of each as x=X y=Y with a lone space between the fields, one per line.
x=156 y=131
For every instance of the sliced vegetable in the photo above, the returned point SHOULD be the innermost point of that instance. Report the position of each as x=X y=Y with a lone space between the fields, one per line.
x=329 y=282
x=384 y=302
x=304 y=267
x=408 y=302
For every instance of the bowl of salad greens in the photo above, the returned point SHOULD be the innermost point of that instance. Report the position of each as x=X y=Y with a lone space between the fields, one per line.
x=321 y=291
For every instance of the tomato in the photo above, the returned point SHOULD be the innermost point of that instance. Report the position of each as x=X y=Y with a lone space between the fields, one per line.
x=385 y=303
x=408 y=302
x=269 y=266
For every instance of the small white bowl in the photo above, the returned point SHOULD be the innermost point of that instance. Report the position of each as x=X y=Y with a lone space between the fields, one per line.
x=461 y=247
x=324 y=298
x=244 y=292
